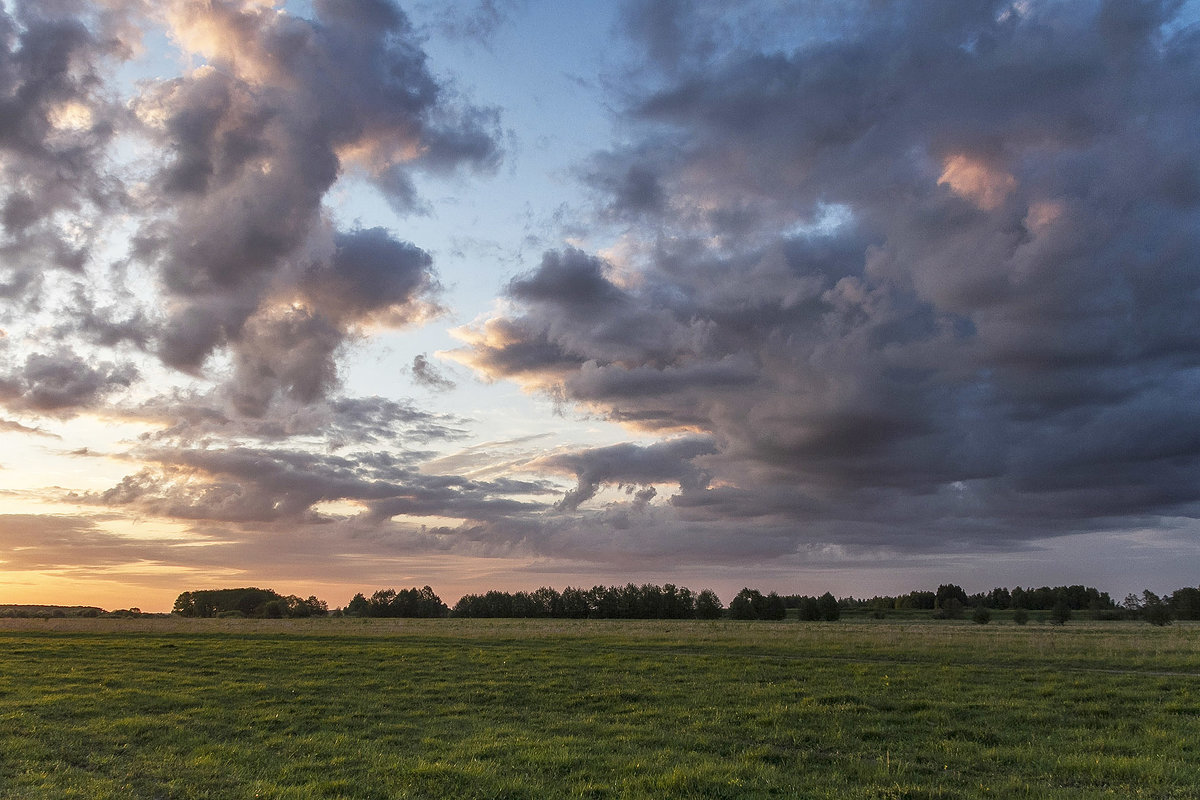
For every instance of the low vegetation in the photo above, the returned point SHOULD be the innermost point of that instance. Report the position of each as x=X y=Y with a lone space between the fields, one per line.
x=387 y=708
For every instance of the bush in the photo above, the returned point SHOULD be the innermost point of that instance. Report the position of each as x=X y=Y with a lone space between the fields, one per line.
x=1020 y=616
x=952 y=608
x=1060 y=613
x=981 y=615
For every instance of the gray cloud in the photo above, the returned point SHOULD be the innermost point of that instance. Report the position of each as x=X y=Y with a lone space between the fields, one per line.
x=55 y=124
x=926 y=279
x=671 y=460
x=228 y=210
x=62 y=383
x=478 y=22
x=262 y=485
x=248 y=258
x=188 y=420
x=428 y=375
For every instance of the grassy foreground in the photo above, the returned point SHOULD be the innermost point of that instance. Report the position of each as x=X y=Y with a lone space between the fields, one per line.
x=490 y=709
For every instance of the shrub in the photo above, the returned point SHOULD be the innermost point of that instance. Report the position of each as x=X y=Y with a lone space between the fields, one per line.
x=1020 y=616
x=981 y=615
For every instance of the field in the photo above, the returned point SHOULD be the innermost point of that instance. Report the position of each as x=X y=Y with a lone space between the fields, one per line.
x=165 y=708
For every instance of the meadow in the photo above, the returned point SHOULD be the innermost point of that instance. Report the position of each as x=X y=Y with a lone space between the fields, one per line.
x=325 y=708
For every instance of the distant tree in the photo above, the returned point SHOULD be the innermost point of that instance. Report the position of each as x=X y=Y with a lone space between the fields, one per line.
x=1154 y=610
x=950 y=608
x=708 y=605
x=747 y=604
x=1060 y=612
x=1185 y=603
x=827 y=604
x=999 y=598
x=574 y=603
x=274 y=609
x=922 y=600
x=774 y=607
x=809 y=609
x=948 y=591
x=357 y=607
x=250 y=601
x=1020 y=616
x=981 y=615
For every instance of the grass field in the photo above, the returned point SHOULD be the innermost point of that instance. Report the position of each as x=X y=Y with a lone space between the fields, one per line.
x=163 y=708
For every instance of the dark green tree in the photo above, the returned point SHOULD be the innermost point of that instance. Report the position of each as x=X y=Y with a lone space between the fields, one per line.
x=949 y=591
x=1154 y=610
x=746 y=604
x=708 y=605
x=774 y=607
x=827 y=604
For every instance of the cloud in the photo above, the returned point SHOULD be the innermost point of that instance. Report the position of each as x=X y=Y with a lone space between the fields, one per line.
x=258 y=135
x=57 y=123
x=62 y=383
x=185 y=420
x=225 y=211
x=671 y=460
x=922 y=279
x=428 y=375
x=255 y=485
x=476 y=22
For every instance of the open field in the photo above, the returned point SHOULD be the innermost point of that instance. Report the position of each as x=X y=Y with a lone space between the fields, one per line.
x=170 y=708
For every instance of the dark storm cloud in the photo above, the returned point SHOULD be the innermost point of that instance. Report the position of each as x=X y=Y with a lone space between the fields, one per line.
x=926 y=278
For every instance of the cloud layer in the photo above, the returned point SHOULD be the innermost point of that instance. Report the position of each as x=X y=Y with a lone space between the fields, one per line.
x=905 y=278
x=928 y=278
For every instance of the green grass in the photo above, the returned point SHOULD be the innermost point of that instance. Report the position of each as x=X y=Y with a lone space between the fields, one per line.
x=487 y=708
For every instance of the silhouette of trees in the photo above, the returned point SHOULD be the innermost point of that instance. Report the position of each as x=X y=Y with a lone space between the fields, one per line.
x=410 y=603
x=630 y=601
x=247 y=602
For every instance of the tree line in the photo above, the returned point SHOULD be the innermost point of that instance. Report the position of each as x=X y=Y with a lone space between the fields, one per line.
x=648 y=601
x=247 y=602
x=651 y=601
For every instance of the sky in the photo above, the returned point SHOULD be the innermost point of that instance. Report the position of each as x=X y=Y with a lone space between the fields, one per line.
x=809 y=296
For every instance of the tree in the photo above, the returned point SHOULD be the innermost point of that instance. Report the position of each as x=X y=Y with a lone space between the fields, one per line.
x=1020 y=616
x=950 y=608
x=981 y=615
x=747 y=604
x=1154 y=610
x=774 y=608
x=948 y=591
x=1185 y=603
x=358 y=606
x=809 y=609
x=1060 y=612
x=708 y=605
x=827 y=604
